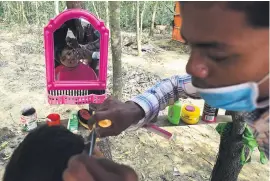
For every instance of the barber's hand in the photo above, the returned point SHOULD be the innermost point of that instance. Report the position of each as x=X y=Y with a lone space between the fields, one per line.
x=121 y=114
x=84 y=168
x=72 y=42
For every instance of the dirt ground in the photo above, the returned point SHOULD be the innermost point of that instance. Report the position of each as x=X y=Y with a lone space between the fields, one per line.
x=190 y=155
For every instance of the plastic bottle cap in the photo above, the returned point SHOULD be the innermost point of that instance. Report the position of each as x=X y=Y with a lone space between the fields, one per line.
x=105 y=123
x=190 y=108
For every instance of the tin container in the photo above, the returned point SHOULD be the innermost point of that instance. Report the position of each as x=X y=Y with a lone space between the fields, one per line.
x=209 y=114
x=190 y=114
x=84 y=115
x=28 y=118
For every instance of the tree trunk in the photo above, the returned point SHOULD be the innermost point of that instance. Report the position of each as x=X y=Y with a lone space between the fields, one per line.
x=56 y=7
x=18 y=12
x=127 y=13
x=7 y=13
x=75 y=4
x=141 y=26
x=133 y=11
x=37 y=19
x=228 y=166
x=114 y=12
x=23 y=13
x=139 y=45
x=107 y=14
x=151 y=33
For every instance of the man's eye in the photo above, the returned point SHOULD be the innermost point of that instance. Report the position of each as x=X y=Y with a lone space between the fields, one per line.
x=218 y=58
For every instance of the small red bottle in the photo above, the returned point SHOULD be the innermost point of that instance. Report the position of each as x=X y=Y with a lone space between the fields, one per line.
x=209 y=114
x=53 y=119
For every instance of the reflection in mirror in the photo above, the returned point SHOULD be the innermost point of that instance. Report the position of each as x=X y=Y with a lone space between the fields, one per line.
x=76 y=73
x=76 y=51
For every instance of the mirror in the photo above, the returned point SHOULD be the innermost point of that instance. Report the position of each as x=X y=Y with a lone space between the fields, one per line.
x=76 y=51
x=76 y=54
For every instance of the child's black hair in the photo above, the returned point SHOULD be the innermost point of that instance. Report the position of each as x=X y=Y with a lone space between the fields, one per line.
x=43 y=155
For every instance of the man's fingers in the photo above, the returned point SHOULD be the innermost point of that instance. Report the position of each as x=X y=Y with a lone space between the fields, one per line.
x=84 y=168
x=101 y=115
x=76 y=161
x=113 y=110
x=98 y=153
x=77 y=175
x=77 y=170
x=103 y=132
x=106 y=104
x=125 y=172
x=68 y=176
x=98 y=171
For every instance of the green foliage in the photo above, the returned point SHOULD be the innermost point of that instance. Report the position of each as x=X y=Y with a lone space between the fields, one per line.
x=39 y=12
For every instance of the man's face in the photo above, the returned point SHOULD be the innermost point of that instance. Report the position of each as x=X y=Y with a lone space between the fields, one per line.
x=225 y=49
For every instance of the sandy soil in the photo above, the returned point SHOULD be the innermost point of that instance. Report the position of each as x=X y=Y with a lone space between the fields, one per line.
x=191 y=154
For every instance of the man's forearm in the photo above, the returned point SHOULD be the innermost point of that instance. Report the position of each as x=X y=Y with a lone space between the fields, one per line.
x=163 y=94
x=92 y=46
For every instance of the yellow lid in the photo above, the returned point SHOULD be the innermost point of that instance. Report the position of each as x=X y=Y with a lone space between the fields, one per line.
x=191 y=110
x=190 y=114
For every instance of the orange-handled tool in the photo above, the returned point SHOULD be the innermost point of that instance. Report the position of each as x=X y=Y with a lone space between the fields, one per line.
x=105 y=123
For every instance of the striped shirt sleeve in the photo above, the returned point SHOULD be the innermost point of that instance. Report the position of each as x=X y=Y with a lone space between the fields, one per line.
x=163 y=94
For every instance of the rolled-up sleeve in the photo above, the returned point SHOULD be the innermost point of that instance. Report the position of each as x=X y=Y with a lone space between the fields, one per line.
x=163 y=94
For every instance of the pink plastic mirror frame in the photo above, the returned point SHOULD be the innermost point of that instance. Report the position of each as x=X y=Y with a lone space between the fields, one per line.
x=56 y=23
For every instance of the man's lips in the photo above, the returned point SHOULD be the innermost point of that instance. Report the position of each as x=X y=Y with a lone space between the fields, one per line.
x=202 y=84
x=199 y=83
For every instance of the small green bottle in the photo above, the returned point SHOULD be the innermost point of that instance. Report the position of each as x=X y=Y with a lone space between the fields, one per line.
x=174 y=113
x=73 y=123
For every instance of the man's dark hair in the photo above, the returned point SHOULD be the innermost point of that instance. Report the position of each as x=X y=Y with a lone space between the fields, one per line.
x=257 y=12
x=43 y=155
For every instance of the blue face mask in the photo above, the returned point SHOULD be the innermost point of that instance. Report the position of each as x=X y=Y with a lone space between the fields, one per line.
x=241 y=97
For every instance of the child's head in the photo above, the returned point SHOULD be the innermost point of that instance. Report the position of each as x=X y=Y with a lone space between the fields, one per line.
x=43 y=155
x=69 y=57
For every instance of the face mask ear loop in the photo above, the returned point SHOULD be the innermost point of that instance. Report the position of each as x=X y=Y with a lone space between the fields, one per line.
x=264 y=79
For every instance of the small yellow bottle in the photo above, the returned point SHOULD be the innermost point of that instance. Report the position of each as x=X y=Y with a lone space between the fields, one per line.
x=190 y=114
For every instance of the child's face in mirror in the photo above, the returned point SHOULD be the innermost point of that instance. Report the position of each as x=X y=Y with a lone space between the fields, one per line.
x=69 y=59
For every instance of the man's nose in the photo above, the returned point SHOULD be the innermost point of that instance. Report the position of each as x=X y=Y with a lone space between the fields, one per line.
x=196 y=66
